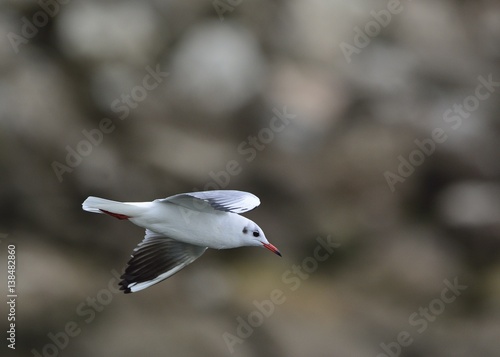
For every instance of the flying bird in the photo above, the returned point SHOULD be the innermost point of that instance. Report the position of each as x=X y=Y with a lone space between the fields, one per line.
x=180 y=228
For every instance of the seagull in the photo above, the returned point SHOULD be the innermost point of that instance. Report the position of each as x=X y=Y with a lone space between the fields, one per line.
x=180 y=228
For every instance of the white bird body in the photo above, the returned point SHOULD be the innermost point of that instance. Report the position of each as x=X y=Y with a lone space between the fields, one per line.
x=213 y=230
x=180 y=228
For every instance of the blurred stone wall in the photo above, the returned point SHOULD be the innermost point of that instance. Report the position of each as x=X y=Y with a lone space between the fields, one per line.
x=371 y=126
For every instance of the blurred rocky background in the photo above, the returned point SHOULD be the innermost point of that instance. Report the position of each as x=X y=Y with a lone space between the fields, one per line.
x=372 y=124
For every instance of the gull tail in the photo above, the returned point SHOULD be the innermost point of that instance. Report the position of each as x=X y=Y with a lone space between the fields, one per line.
x=115 y=209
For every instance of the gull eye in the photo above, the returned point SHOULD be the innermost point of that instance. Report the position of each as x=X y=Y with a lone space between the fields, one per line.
x=245 y=230
x=256 y=233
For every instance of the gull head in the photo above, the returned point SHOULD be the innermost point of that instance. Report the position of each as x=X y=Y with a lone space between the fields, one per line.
x=254 y=236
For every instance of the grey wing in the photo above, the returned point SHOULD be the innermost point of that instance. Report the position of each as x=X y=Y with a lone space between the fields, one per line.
x=220 y=200
x=157 y=258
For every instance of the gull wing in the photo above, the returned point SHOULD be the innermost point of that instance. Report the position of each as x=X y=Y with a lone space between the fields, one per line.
x=157 y=258
x=220 y=200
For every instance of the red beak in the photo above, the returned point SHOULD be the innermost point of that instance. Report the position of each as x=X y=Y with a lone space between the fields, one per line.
x=272 y=248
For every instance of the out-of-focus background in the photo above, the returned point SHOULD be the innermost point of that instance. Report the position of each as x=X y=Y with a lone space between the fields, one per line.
x=371 y=126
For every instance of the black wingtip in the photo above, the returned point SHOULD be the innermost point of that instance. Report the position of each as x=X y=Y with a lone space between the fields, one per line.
x=124 y=285
x=125 y=290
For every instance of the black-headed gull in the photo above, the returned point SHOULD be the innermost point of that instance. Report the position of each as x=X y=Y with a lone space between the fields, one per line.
x=180 y=228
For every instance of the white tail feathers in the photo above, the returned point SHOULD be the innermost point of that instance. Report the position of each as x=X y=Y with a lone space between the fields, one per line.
x=98 y=205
